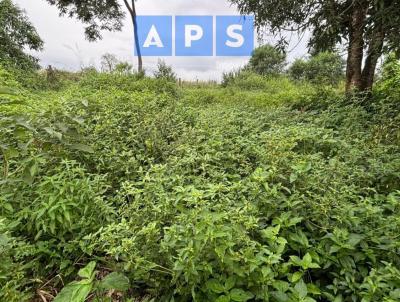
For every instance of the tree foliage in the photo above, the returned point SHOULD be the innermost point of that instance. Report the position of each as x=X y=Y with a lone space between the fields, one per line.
x=97 y=15
x=16 y=34
x=164 y=72
x=267 y=60
x=323 y=68
x=108 y=62
x=362 y=25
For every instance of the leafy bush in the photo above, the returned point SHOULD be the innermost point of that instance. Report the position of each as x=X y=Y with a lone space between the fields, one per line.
x=267 y=60
x=164 y=72
x=96 y=81
x=229 y=77
x=127 y=188
x=17 y=34
x=325 y=68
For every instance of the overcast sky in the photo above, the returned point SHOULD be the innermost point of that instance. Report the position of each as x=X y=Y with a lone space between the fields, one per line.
x=66 y=47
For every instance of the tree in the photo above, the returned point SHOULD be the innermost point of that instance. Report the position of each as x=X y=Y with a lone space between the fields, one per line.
x=108 y=62
x=132 y=11
x=100 y=15
x=164 y=72
x=17 y=34
x=372 y=26
x=322 y=68
x=267 y=60
x=111 y=64
x=299 y=70
x=123 y=68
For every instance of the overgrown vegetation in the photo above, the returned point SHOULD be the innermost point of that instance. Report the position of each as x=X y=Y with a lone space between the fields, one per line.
x=16 y=34
x=267 y=60
x=274 y=186
x=367 y=29
x=118 y=187
x=325 y=68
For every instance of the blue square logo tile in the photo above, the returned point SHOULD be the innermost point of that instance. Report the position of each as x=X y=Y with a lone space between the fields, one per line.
x=235 y=35
x=194 y=36
x=155 y=35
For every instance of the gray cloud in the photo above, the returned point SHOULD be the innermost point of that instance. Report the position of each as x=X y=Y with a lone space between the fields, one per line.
x=66 y=47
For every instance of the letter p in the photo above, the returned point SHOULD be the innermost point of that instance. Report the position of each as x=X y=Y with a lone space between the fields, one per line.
x=192 y=33
x=194 y=36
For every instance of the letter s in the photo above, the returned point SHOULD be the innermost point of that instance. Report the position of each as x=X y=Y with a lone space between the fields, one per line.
x=231 y=32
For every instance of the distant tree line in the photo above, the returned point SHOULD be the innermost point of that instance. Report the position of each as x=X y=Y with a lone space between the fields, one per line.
x=325 y=68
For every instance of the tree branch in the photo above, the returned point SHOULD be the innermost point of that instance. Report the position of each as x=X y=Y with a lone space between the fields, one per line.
x=133 y=8
x=129 y=8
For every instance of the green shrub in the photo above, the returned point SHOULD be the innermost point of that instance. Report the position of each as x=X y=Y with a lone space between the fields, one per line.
x=164 y=72
x=96 y=81
x=266 y=190
x=17 y=35
x=229 y=77
x=325 y=68
x=7 y=79
x=267 y=60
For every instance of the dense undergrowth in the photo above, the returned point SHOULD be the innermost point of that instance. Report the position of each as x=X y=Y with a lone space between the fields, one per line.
x=266 y=190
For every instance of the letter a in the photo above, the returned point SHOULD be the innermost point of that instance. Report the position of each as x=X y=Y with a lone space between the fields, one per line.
x=153 y=39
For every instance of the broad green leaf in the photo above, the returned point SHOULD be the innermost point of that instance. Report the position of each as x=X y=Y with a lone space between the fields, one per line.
x=27 y=177
x=78 y=120
x=296 y=277
x=66 y=294
x=301 y=289
x=307 y=260
x=4 y=240
x=395 y=294
x=62 y=127
x=280 y=285
x=296 y=260
x=313 y=289
x=338 y=299
x=11 y=153
x=8 y=207
x=280 y=296
x=85 y=103
x=266 y=271
x=355 y=239
x=230 y=283
x=271 y=232
x=87 y=271
x=294 y=221
x=215 y=286
x=81 y=293
x=115 y=281
x=240 y=295
x=53 y=133
x=300 y=238
x=8 y=91
x=223 y=299
x=82 y=147
x=74 y=292
x=25 y=124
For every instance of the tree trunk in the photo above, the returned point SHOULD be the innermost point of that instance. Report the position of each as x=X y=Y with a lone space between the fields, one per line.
x=132 y=12
x=374 y=52
x=356 y=46
x=137 y=45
